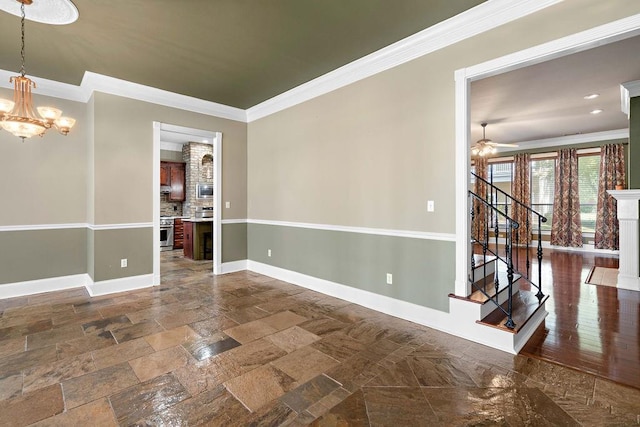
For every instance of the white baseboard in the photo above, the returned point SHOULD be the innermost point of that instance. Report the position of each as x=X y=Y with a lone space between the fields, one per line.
x=630 y=283
x=120 y=285
x=589 y=248
x=455 y=323
x=31 y=287
x=405 y=310
x=233 y=266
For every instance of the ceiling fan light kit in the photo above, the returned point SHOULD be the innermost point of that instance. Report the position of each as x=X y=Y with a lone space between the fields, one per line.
x=485 y=147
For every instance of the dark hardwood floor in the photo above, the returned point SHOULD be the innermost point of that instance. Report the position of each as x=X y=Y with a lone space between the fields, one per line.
x=591 y=328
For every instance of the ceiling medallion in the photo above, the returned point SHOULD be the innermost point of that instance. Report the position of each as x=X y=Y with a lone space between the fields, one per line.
x=17 y=116
x=54 y=12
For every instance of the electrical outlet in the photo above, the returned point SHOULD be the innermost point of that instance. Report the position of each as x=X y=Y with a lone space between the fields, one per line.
x=123 y=263
x=268 y=252
x=389 y=279
x=227 y=205
x=430 y=206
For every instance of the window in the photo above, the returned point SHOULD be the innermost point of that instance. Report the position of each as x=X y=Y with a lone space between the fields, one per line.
x=542 y=186
x=588 y=176
x=542 y=170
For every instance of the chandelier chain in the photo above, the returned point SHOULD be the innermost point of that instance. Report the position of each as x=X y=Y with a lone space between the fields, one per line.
x=22 y=70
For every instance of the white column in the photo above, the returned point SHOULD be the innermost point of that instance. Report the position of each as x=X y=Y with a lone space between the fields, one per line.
x=628 y=215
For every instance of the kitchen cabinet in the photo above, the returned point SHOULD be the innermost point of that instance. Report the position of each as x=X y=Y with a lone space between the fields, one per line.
x=178 y=233
x=173 y=175
x=165 y=173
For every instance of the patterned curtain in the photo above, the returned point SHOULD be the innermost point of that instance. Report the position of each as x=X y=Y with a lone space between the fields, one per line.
x=480 y=210
x=521 y=191
x=611 y=172
x=566 y=228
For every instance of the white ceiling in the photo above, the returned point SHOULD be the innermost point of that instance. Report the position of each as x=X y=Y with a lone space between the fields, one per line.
x=181 y=138
x=547 y=100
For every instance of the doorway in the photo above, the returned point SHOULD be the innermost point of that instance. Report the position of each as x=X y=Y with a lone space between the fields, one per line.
x=171 y=138
x=583 y=41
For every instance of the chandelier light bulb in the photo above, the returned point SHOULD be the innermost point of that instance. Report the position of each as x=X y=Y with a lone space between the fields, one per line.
x=6 y=105
x=64 y=124
x=50 y=114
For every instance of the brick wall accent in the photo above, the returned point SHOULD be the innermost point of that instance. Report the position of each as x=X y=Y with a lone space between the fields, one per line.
x=198 y=160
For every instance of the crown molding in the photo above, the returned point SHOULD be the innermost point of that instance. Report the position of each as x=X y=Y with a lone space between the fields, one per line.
x=608 y=135
x=48 y=87
x=628 y=90
x=92 y=82
x=98 y=82
x=472 y=22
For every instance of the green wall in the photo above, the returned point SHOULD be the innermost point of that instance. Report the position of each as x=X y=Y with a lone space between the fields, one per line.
x=423 y=270
x=634 y=145
x=234 y=242
x=134 y=244
x=42 y=254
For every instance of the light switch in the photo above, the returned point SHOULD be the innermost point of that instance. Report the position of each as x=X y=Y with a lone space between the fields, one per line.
x=430 y=206
x=227 y=205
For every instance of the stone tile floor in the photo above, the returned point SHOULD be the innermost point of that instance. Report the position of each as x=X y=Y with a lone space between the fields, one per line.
x=245 y=349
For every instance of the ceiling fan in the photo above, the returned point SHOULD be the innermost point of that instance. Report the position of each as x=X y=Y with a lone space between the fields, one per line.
x=484 y=146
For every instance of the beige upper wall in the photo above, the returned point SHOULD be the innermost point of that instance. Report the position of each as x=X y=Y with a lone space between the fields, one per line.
x=124 y=152
x=43 y=180
x=101 y=173
x=372 y=153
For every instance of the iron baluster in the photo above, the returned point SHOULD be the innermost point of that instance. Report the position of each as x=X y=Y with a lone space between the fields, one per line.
x=540 y=295
x=509 y=324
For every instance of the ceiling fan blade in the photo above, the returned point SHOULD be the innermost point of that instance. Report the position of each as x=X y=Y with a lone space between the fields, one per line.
x=496 y=144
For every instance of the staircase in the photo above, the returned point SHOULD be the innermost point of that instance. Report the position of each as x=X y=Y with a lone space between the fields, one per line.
x=506 y=303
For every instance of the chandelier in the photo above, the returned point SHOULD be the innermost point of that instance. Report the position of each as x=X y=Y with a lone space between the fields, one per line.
x=17 y=116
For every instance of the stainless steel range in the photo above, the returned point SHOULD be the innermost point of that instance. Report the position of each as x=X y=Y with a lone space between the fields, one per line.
x=166 y=233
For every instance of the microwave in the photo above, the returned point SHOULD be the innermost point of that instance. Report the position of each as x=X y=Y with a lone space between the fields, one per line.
x=204 y=190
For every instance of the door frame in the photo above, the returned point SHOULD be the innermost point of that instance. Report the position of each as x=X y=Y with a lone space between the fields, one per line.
x=604 y=34
x=216 y=138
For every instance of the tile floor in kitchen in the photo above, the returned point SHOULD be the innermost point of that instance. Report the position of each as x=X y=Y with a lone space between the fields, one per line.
x=245 y=349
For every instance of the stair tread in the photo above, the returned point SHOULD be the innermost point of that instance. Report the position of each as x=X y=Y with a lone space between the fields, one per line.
x=525 y=304
x=478 y=296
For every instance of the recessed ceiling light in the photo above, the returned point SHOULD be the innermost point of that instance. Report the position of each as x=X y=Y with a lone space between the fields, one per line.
x=205 y=141
x=596 y=111
x=592 y=96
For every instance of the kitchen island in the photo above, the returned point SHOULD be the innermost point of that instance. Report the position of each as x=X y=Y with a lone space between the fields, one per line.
x=198 y=238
